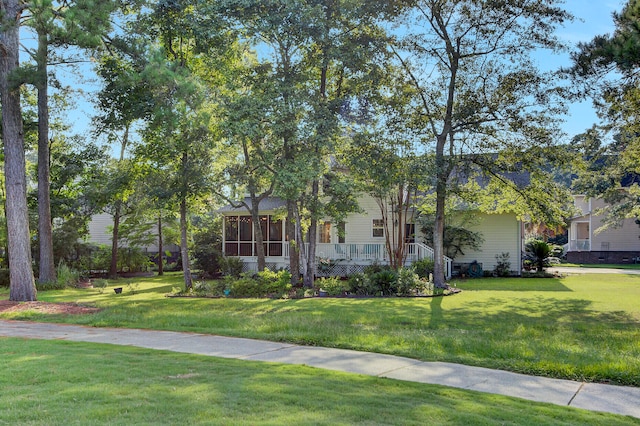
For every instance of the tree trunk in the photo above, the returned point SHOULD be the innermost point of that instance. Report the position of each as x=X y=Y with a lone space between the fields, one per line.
x=113 y=267
x=22 y=285
x=312 y=263
x=160 y=247
x=257 y=231
x=184 y=253
x=294 y=249
x=47 y=272
x=438 y=226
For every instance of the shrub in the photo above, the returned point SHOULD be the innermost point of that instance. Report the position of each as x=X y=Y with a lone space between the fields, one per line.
x=537 y=251
x=232 y=266
x=245 y=286
x=275 y=284
x=262 y=284
x=206 y=254
x=334 y=286
x=374 y=268
x=67 y=276
x=409 y=283
x=359 y=284
x=503 y=265
x=423 y=267
x=130 y=259
x=385 y=281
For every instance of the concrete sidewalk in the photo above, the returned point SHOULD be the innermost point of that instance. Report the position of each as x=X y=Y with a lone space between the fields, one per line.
x=590 y=396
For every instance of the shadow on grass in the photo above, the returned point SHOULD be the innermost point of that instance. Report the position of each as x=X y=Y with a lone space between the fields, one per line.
x=137 y=386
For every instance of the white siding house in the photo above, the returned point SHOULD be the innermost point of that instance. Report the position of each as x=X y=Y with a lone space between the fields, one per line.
x=589 y=242
x=502 y=233
x=100 y=233
x=361 y=239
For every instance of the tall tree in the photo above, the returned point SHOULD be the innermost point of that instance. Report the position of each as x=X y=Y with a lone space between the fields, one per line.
x=607 y=69
x=57 y=24
x=22 y=285
x=478 y=89
x=317 y=52
x=252 y=151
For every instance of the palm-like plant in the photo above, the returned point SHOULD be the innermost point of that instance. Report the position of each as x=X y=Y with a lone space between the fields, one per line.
x=537 y=251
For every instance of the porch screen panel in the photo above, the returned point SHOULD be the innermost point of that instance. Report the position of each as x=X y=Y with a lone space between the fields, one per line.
x=275 y=237
x=231 y=236
x=246 y=236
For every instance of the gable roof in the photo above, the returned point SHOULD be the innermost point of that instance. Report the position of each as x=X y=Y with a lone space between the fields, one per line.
x=266 y=204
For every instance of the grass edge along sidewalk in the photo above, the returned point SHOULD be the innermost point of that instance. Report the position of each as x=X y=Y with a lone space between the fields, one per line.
x=583 y=328
x=73 y=380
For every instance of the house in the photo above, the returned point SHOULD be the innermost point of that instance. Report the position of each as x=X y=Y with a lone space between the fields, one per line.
x=348 y=247
x=101 y=233
x=501 y=233
x=589 y=242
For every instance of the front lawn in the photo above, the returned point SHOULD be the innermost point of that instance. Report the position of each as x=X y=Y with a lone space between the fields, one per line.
x=628 y=266
x=584 y=327
x=65 y=383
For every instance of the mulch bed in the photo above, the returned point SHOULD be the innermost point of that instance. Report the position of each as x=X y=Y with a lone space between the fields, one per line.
x=46 y=307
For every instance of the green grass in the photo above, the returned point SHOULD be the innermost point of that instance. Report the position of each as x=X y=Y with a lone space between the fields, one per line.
x=66 y=383
x=628 y=266
x=584 y=327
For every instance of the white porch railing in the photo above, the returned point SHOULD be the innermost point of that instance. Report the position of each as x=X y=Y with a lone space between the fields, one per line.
x=374 y=252
x=580 y=245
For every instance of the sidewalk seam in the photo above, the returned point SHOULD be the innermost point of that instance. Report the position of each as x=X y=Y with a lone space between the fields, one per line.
x=384 y=373
x=266 y=352
x=575 y=394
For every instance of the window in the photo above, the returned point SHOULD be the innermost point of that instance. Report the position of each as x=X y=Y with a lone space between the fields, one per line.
x=325 y=233
x=409 y=233
x=378 y=228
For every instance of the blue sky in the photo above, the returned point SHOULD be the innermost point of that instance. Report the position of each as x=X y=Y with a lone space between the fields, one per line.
x=593 y=17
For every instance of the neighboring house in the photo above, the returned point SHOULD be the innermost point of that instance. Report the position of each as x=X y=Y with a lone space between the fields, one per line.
x=100 y=233
x=348 y=247
x=590 y=243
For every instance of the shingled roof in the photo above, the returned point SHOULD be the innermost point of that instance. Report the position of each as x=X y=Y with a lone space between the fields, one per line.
x=267 y=204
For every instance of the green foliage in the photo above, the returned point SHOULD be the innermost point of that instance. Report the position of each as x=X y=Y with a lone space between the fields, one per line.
x=385 y=282
x=503 y=265
x=4 y=278
x=458 y=238
x=275 y=283
x=215 y=288
x=130 y=259
x=232 y=266
x=66 y=276
x=206 y=251
x=263 y=284
x=334 y=286
x=606 y=69
x=410 y=284
x=537 y=251
x=359 y=284
x=423 y=267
